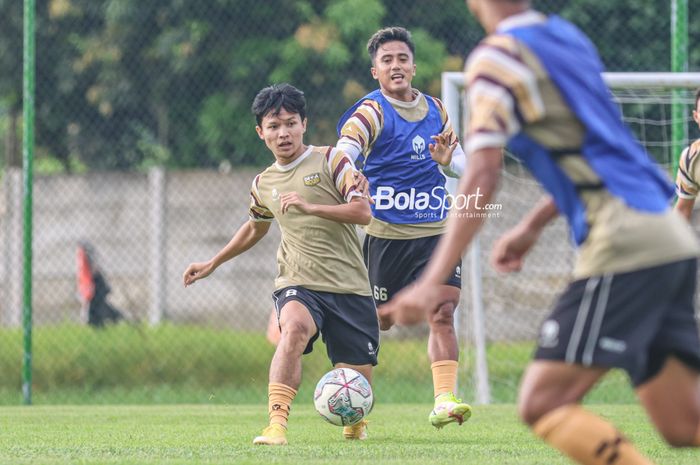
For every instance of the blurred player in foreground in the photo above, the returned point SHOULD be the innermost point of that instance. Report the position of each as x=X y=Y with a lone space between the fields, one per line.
x=535 y=85
x=688 y=177
x=405 y=143
x=322 y=284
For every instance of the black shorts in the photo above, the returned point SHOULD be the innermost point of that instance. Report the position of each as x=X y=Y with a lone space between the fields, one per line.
x=347 y=322
x=395 y=263
x=632 y=321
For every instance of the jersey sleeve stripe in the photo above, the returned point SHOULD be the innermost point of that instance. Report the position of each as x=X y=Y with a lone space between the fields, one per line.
x=258 y=216
x=255 y=199
x=365 y=122
x=488 y=48
x=257 y=211
x=375 y=110
x=690 y=158
x=357 y=141
x=254 y=193
x=685 y=178
x=494 y=81
x=510 y=71
x=340 y=165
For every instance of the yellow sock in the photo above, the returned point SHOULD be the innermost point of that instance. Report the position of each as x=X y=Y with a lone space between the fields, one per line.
x=444 y=376
x=586 y=438
x=280 y=397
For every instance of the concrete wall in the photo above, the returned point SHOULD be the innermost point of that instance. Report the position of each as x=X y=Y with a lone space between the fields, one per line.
x=146 y=228
x=115 y=212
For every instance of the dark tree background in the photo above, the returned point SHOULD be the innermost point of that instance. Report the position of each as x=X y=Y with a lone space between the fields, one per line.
x=127 y=84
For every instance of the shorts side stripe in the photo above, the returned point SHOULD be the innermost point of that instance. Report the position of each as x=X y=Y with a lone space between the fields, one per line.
x=369 y=255
x=597 y=322
x=277 y=308
x=581 y=317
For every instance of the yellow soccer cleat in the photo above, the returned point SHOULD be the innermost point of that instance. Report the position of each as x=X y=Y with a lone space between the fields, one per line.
x=449 y=409
x=356 y=431
x=273 y=435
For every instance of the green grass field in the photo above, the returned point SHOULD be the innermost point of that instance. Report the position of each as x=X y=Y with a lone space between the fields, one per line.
x=181 y=364
x=194 y=395
x=222 y=434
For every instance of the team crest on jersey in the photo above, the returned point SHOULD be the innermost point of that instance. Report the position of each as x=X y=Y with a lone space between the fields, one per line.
x=275 y=194
x=418 y=148
x=312 y=179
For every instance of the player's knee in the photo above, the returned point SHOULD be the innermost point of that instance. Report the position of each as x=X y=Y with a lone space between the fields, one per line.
x=533 y=406
x=678 y=438
x=681 y=433
x=295 y=332
x=529 y=412
x=443 y=315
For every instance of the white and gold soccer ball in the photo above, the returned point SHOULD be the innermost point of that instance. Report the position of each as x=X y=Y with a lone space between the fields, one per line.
x=343 y=397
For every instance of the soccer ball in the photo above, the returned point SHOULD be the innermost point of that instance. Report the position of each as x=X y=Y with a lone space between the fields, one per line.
x=343 y=397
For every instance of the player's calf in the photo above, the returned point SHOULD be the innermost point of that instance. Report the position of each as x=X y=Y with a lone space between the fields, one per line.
x=587 y=438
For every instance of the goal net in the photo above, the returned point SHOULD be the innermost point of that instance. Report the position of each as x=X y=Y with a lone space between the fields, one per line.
x=500 y=314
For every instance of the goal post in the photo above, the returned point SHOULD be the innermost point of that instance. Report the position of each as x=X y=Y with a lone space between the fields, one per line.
x=646 y=101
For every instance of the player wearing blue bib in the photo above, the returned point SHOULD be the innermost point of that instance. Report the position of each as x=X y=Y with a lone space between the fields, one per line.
x=406 y=184
x=534 y=84
x=688 y=176
x=405 y=144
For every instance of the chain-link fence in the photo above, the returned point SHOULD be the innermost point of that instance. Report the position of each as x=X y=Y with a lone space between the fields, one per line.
x=145 y=153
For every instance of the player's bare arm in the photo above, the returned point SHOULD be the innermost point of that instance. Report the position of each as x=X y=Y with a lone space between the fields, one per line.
x=441 y=150
x=246 y=237
x=510 y=249
x=685 y=207
x=357 y=211
x=411 y=305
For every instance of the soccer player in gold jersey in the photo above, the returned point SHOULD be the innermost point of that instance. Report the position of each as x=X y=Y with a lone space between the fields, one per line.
x=322 y=285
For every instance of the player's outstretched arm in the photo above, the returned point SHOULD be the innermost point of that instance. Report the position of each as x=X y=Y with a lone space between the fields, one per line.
x=510 y=249
x=246 y=237
x=412 y=304
x=357 y=211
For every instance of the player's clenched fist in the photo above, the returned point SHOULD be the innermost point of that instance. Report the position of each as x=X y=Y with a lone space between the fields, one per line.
x=197 y=271
x=293 y=199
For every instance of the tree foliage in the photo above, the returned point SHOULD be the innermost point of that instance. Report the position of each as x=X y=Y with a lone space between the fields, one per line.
x=126 y=84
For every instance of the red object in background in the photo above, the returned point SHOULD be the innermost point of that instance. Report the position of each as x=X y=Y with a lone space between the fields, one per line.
x=93 y=290
x=86 y=285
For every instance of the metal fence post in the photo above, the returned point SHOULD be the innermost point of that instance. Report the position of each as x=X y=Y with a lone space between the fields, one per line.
x=13 y=247
x=156 y=190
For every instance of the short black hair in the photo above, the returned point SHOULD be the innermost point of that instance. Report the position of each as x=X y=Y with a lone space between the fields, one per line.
x=389 y=34
x=273 y=98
